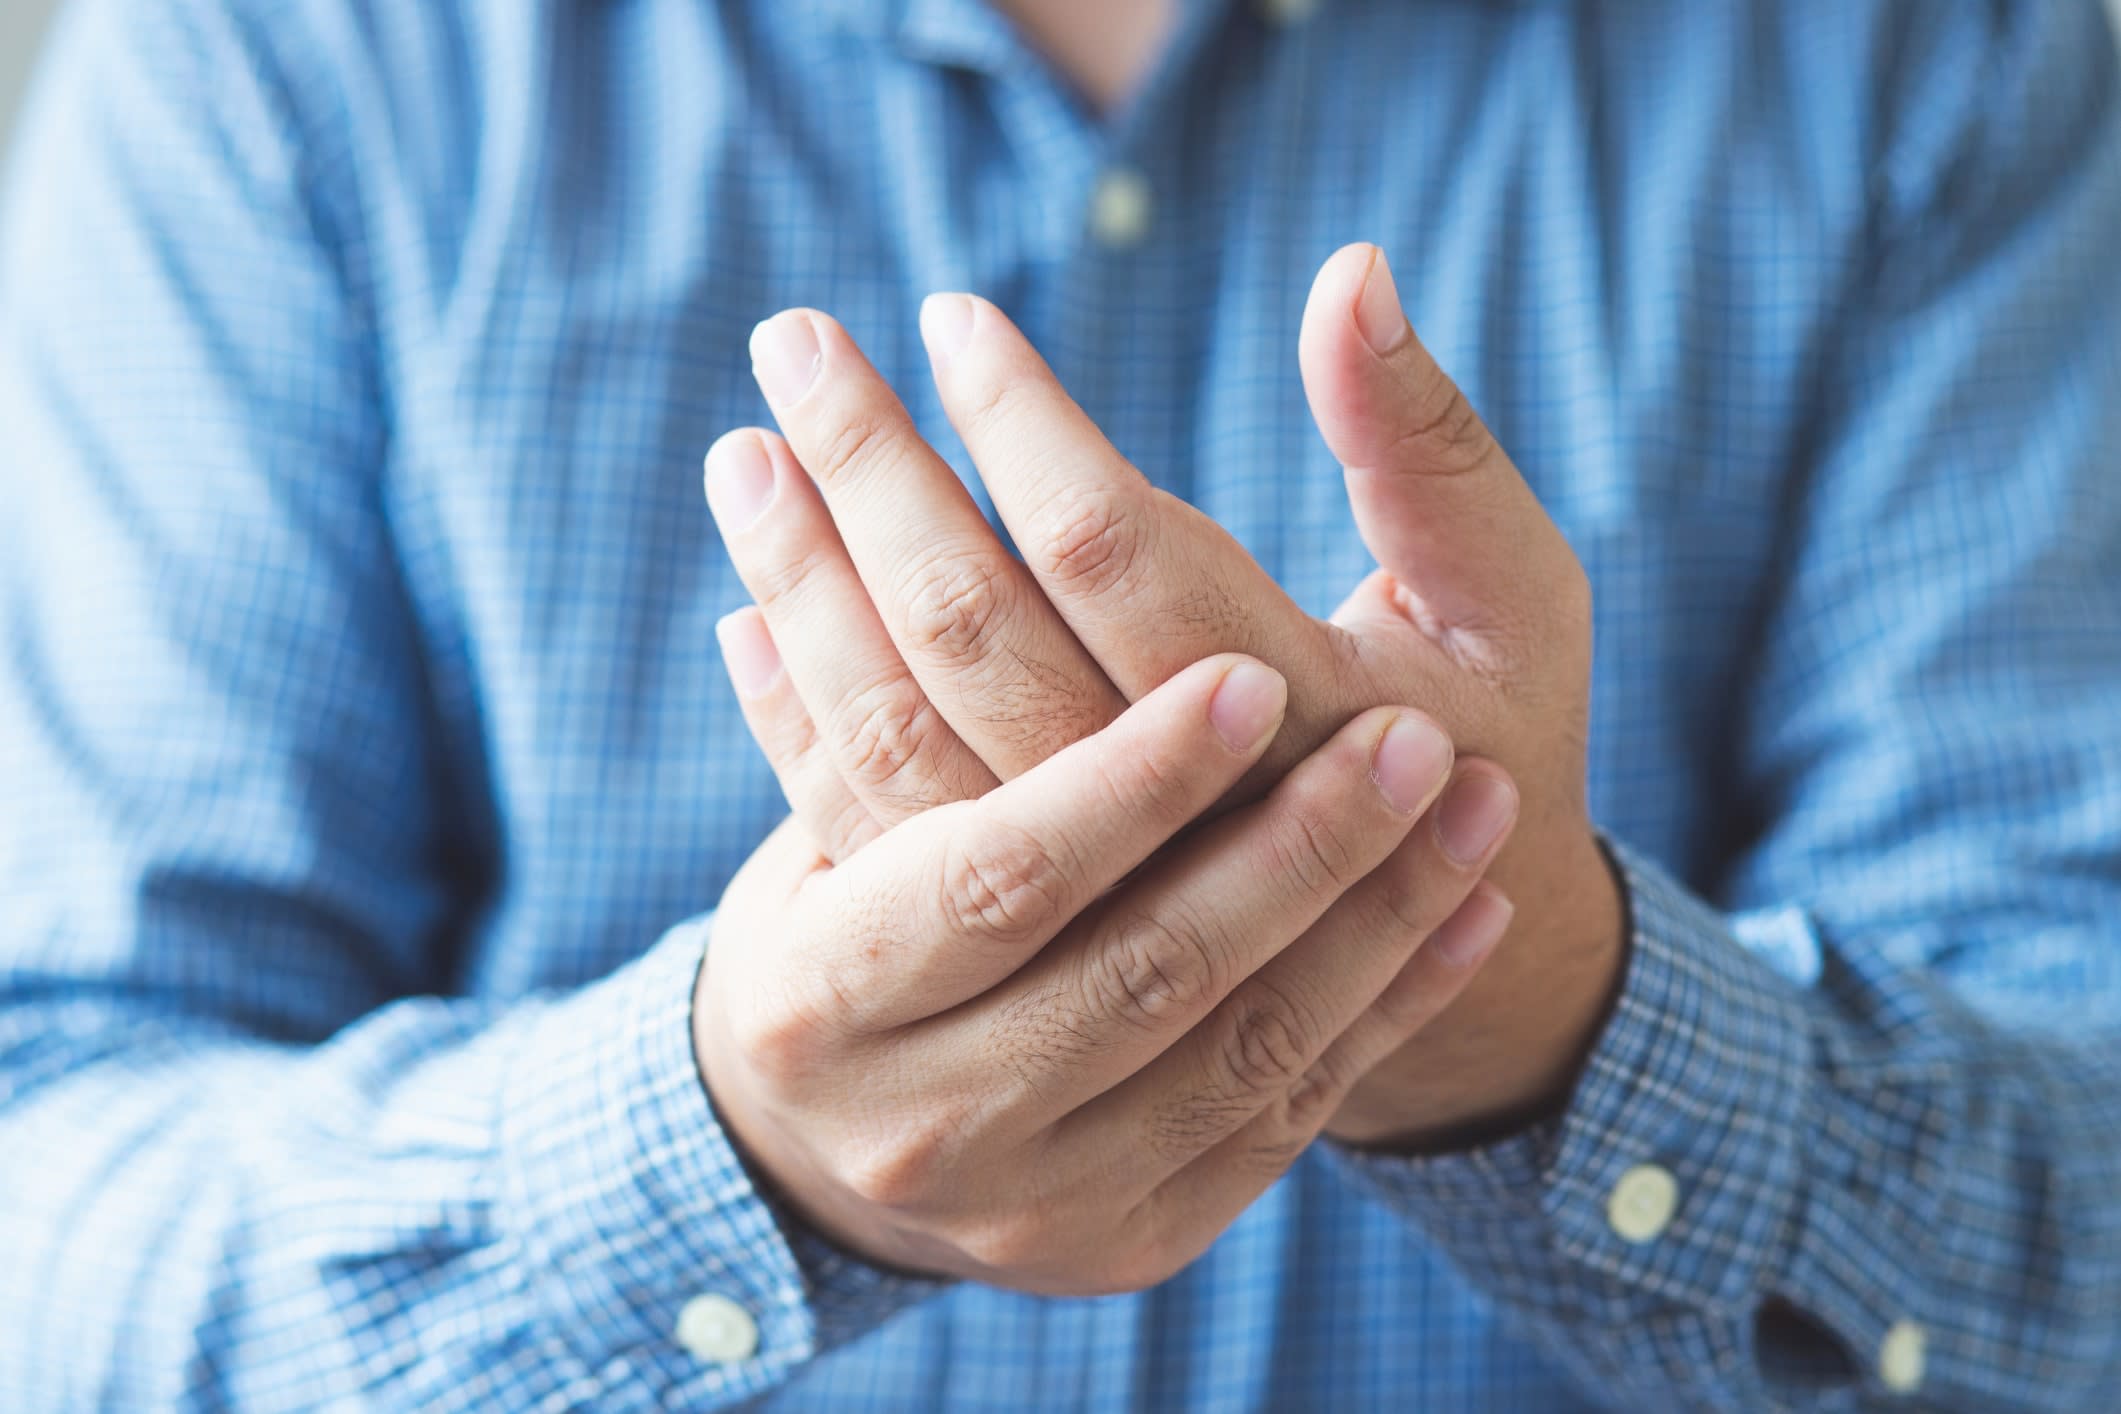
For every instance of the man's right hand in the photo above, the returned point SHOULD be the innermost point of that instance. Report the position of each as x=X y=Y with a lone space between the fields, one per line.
x=986 y=1047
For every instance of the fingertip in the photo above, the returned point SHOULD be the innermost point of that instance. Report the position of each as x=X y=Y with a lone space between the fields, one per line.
x=738 y=618
x=721 y=447
x=1335 y=356
x=739 y=479
x=1475 y=928
x=1411 y=761
x=812 y=318
x=1477 y=812
x=987 y=311
x=1338 y=284
x=1343 y=271
x=748 y=651
x=1248 y=704
x=1355 y=290
x=999 y=340
x=787 y=353
x=947 y=319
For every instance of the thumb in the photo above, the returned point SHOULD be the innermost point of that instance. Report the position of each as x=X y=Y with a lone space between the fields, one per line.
x=1437 y=501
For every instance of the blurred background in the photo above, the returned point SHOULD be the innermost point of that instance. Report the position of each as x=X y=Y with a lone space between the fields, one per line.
x=22 y=24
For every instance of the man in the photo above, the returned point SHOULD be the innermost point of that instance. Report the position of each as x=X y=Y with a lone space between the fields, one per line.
x=1730 y=1021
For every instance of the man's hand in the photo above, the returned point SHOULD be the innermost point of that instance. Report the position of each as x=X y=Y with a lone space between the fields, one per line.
x=933 y=663
x=993 y=1045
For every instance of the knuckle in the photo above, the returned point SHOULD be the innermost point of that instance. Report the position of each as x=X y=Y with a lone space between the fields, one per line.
x=1268 y=1047
x=897 y=1176
x=1404 y=1008
x=1408 y=900
x=772 y=1041
x=1093 y=543
x=953 y=607
x=1308 y=1104
x=1011 y=1243
x=1315 y=852
x=1153 y=972
x=863 y=436
x=883 y=730
x=1007 y=886
x=912 y=1169
x=783 y=573
x=1446 y=434
x=1153 y=784
x=782 y=1041
x=998 y=401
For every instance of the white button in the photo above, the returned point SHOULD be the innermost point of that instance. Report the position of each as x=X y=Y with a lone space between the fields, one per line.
x=717 y=1329
x=1288 y=12
x=1642 y=1203
x=1901 y=1357
x=1120 y=208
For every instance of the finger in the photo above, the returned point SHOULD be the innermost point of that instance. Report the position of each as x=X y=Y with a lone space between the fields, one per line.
x=1253 y=1056
x=949 y=904
x=968 y=620
x=838 y=823
x=1153 y=961
x=1432 y=980
x=1147 y=582
x=1436 y=499
x=896 y=754
x=1188 y=1210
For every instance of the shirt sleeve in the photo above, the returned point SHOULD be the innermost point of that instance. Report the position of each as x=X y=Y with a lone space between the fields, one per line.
x=1853 y=1132
x=257 y=1155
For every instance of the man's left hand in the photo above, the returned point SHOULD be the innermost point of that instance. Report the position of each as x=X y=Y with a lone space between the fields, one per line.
x=923 y=662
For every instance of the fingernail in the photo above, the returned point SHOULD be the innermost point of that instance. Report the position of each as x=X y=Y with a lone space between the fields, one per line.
x=785 y=357
x=946 y=323
x=1410 y=762
x=1247 y=705
x=1472 y=932
x=1378 y=313
x=748 y=652
x=739 y=481
x=1475 y=811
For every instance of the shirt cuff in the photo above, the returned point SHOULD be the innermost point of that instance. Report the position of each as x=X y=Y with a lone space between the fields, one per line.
x=629 y=1204
x=1672 y=1178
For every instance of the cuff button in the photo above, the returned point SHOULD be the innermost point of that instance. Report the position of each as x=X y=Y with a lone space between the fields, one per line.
x=1902 y=1356
x=717 y=1330
x=1641 y=1205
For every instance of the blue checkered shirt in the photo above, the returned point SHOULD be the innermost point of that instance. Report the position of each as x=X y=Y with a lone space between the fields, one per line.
x=367 y=772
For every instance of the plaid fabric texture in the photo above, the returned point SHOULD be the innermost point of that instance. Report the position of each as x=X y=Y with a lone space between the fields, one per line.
x=367 y=768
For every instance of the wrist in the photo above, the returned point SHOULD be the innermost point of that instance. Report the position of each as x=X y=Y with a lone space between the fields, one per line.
x=1582 y=946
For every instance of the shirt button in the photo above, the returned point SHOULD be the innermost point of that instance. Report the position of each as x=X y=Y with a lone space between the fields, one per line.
x=1642 y=1203
x=716 y=1329
x=1288 y=12
x=1901 y=1357
x=1120 y=208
